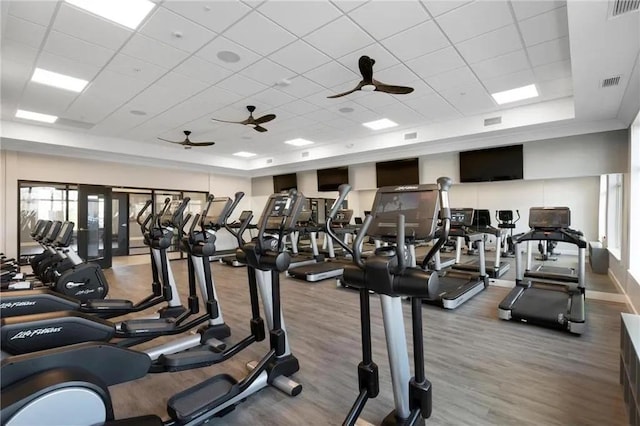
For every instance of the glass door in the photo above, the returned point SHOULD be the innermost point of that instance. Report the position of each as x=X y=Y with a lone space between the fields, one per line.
x=120 y=224
x=94 y=224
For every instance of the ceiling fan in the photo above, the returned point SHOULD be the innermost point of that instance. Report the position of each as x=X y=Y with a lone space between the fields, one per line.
x=255 y=122
x=367 y=83
x=187 y=143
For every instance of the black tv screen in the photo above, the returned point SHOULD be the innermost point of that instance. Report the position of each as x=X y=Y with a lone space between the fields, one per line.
x=398 y=172
x=285 y=182
x=493 y=164
x=331 y=179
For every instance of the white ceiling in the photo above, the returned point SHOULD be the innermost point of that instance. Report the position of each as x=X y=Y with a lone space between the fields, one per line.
x=454 y=53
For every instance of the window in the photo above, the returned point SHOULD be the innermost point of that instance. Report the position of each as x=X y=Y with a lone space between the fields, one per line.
x=614 y=213
x=634 y=199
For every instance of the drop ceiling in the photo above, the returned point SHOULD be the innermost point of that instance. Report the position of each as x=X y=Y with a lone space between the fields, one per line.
x=167 y=76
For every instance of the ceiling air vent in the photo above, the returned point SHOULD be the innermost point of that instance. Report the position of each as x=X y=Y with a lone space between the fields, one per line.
x=611 y=81
x=74 y=123
x=493 y=120
x=624 y=6
x=305 y=154
x=270 y=160
x=410 y=136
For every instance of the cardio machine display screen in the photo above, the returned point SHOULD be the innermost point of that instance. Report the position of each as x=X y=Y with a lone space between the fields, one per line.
x=548 y=218
x=418 y=207
x=461 y=217
x=217 y=210
x=343 y=217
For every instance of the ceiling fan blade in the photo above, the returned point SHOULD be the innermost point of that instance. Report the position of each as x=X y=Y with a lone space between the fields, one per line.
x=365 y=64
x=167 y=140
x=201 y=143
x=227 y=121
x=394 y=90
x=260 y=128
x=264 y=119
x=358 y=87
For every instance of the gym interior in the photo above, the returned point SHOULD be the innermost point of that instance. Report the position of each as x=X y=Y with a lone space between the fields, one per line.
x=436 y=197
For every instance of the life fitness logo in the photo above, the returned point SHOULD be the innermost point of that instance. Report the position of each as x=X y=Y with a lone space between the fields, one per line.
x=405 y=188
x=10 y=305
x=36 y=332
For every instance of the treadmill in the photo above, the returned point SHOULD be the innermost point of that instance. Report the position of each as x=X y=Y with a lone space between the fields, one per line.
x=482 y=225
x=304 y=226
x=560 y=304
x=544 y=271
x=332 y=268
x=458 y=286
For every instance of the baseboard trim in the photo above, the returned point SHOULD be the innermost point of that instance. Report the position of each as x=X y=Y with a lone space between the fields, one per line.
x=606 y=297
x=627 y=301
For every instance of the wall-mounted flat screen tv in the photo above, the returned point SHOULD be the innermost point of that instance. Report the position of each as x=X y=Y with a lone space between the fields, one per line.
x=398 y=172
x=285 y=182
x=331 y=179
x=493 y=164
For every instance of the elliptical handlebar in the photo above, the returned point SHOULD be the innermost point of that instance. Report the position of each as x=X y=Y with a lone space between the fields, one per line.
x=444 y=184
x=143 y=223
x=343 y=191
x=518 y=213
x=236 y=200
x=400 y=249
x=205 y=212
x=357 y=253
x=177 y=217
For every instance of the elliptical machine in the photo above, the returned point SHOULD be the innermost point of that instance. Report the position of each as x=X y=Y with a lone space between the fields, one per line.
x=389 y=274
x=507 y=223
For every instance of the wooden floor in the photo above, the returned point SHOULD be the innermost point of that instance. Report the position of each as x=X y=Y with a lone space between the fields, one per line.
x=484 y=371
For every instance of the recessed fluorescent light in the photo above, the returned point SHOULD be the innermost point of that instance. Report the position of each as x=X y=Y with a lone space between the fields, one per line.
x=61 y=81
x=298 y=142
x=384 y=123
x=244 y=154
x=517 y=94
x=46 y=118
x=124 y=12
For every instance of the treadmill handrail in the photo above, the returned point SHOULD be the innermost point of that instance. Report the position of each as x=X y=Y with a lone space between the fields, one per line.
x=553 y=234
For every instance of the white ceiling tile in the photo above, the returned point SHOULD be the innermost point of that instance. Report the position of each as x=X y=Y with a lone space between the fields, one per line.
x=398 y=75
x=510 y=81
x=114 y=86
x=91 y=109
x=66 y=66
x=553 y=71
x=434 y=107
x=501 y=65
x=416 y=41
x=202 y=70
x=548 y=52
x=213 y=98
x=215 y=15
x=24 y=32
x=299 y=56
x=17 y=52
x=72 y=48
x=382 y=18
x=436 y=62
x=438 y=7
x=348 y=5
x=118 y=122
x=153 y=51
x=375 y=51
x=241 y=85
x=556 y=88
x=402 y=114
x=267 y=72
x=375 y=101
x=221 y=44
x=527 y=8
x=332 y=74
x=322 y=115
x=420 y=88
x=470 y=99
x=340 y=123
x=474 y=19
x=458 y=77
x=90 y=28
x=39 y=12
x=299 y=107
x=547 y=26
x=165 y=25
x=489 y=45
x=300 y=17
x=15 y=76
x=47 y=99
x=339 y=38
x=272 y=97
x=301 y=87
x=133 y=67
x=259 y=34
x=359 y=114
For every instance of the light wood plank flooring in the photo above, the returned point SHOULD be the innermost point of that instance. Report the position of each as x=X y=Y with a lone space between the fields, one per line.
x=484 y=371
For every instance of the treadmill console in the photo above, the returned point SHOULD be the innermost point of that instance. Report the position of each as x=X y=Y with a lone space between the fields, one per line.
x=461 y=218
x=216 y=212
x=549 y=217
x=505 y=215
x=419 y=205
x=282 y=212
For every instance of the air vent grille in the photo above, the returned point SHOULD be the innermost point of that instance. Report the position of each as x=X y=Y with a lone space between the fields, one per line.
x=410 y=136
x=624 y=6
x=74 y=123
x=493 y=120
x=305 y=154
x=611 y=81
x=270 y=160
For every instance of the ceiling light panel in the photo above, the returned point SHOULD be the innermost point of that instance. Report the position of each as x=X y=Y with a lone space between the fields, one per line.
x=298 y=142
x=36 y=116
x=244 y=154
x=61 y=81
x=129 y=13
x=517 y=94
x=383 y=123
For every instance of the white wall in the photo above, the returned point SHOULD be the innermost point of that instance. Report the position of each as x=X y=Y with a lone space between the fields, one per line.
x=28 y=166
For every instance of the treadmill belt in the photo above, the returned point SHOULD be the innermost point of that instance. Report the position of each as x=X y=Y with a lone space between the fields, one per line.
x=541 y=305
